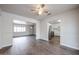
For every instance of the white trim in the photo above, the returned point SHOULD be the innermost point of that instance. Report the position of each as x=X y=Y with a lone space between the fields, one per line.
x=0 y=47
x=76 y=48
x=5 y=46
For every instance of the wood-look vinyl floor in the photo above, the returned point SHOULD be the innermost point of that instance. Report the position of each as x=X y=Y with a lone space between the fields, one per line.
x=30 y=46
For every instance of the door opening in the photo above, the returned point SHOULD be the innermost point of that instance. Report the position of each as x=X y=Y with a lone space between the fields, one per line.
x=54 y=32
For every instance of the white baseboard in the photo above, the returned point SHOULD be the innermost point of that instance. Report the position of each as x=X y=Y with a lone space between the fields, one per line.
x=0 y=47
x=5 y=46
x=76 y=48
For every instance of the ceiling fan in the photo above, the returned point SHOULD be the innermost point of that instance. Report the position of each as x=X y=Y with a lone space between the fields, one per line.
x=41 y=9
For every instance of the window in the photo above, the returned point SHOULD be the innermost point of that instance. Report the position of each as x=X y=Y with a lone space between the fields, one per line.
x=19 y=29
x=19 y=26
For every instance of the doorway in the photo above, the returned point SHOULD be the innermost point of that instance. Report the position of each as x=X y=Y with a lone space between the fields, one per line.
x=54 y=32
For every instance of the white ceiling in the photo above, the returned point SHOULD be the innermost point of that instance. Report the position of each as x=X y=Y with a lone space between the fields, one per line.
x=22 y=22
x=54 y=22
x=25 y=9
x=29 y=23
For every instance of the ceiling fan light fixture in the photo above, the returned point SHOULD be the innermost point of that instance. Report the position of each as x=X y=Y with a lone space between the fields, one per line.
x=59 y=20
x=40 y=12
x=41 y=9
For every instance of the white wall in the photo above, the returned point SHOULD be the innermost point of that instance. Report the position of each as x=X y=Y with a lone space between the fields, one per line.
x=30 y=30
x=7 y=27
x=34 y=29
x=0 y=30
x=43 y=30
x=69 y=28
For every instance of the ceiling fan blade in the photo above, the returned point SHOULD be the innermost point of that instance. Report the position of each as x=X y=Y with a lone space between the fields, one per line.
x=46 y=11
x=42 y=5
x=33 y=10
x=49 y=14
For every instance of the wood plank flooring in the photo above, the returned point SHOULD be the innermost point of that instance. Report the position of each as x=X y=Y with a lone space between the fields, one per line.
x=30 y=46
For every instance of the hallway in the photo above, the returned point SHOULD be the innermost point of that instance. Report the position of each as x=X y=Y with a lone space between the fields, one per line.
x=55 y=41
x=30 y=46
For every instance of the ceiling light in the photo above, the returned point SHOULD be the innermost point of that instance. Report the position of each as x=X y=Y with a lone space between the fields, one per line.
x=41 y=9
x=59 y=20
x=31 y=27
x=40 y=12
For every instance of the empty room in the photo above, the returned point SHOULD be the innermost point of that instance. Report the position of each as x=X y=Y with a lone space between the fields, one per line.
x=39 y=29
